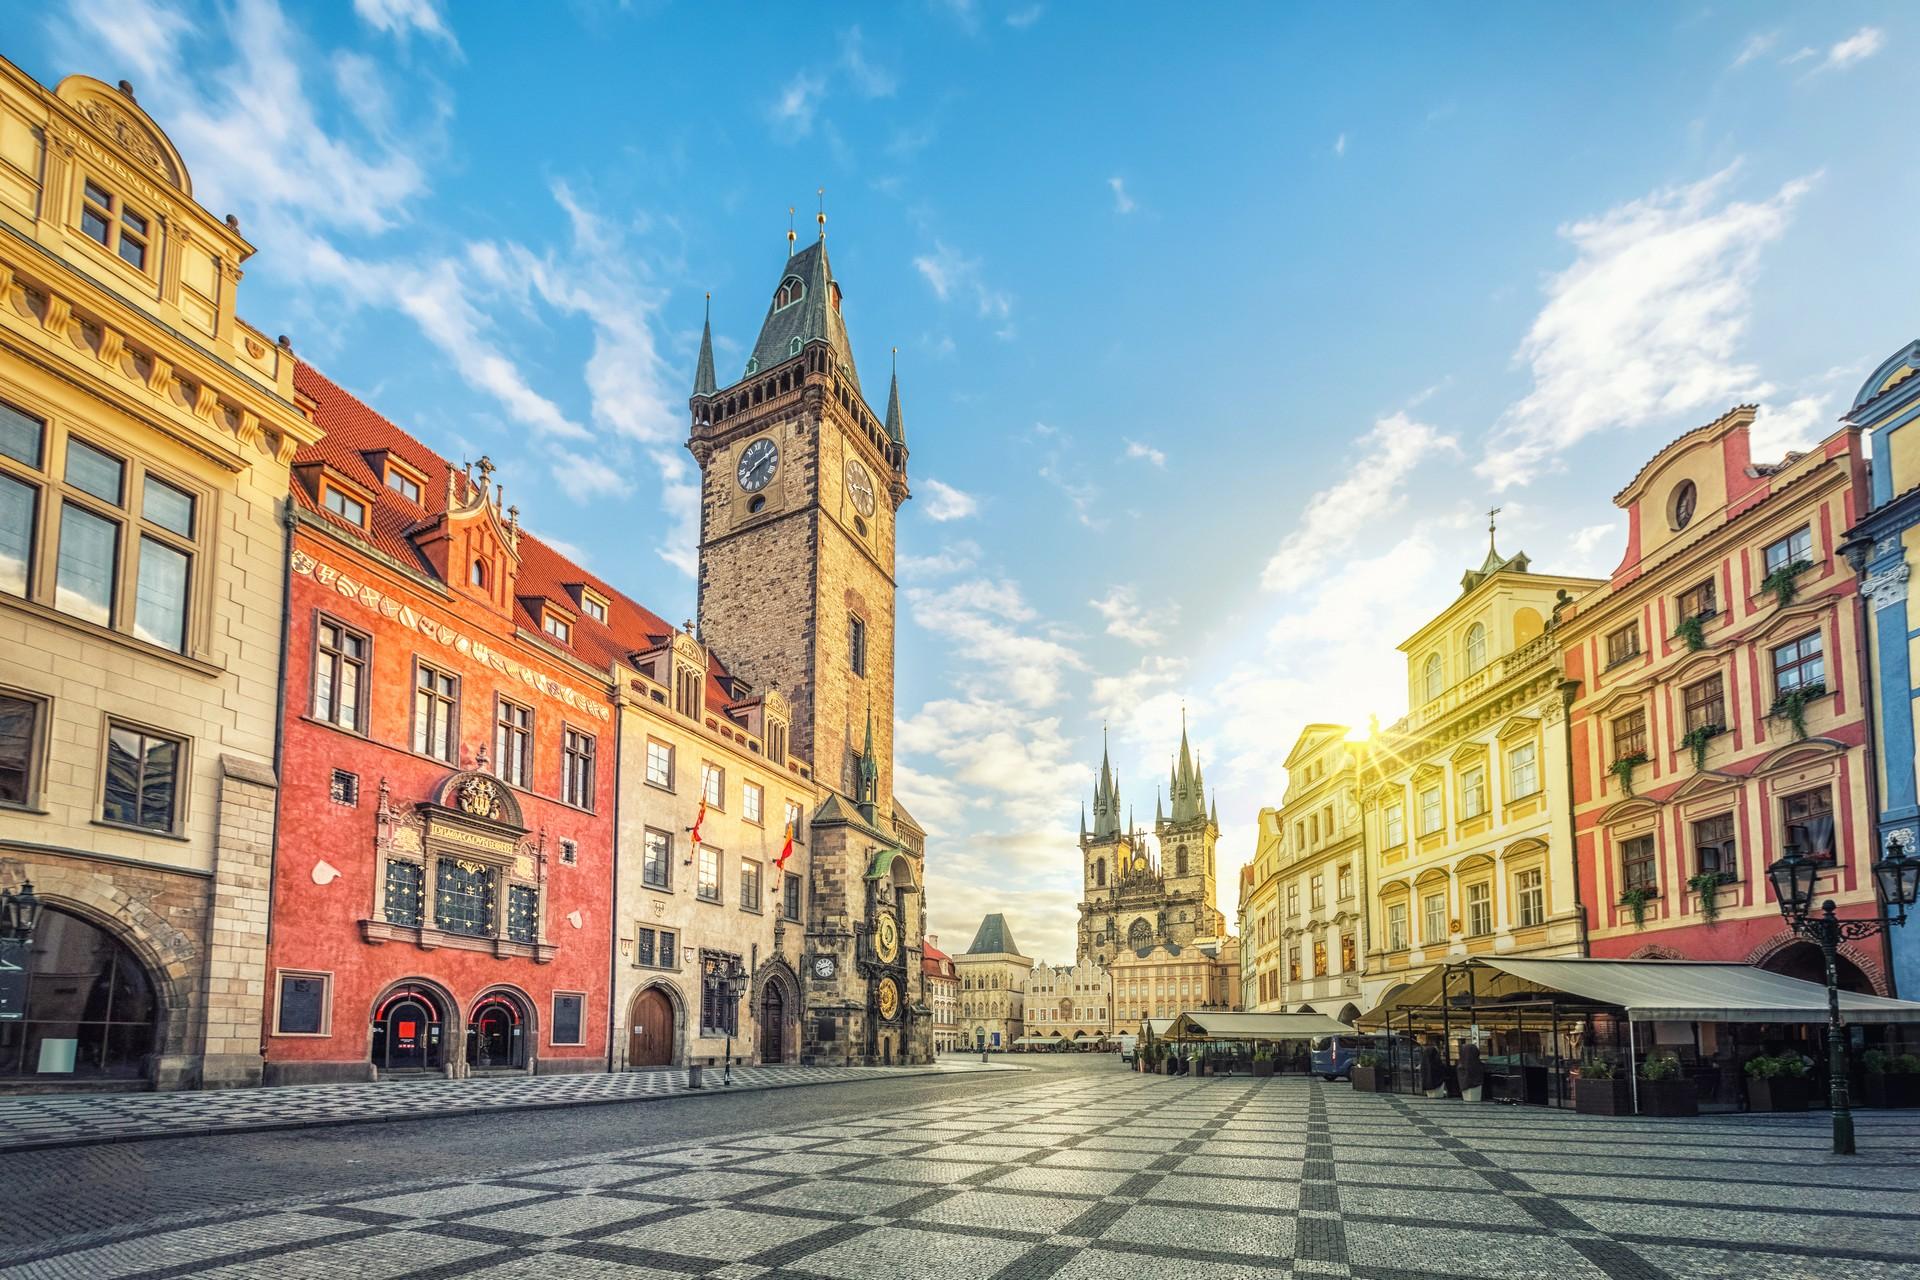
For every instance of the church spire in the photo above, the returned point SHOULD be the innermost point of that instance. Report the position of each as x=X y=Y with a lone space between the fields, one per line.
x=703 y=381
x=896 y=426
x=1106 y=796
x=869 y=772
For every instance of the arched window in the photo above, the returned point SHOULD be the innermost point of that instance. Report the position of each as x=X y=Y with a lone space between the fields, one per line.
x=478 y=574
x=90 y=1009
x=1140 y=935
x=1100 y=871
x=1476 y=648
x=793 y=347
x=1180 y=861
x=1435 y=678
x=791 y=291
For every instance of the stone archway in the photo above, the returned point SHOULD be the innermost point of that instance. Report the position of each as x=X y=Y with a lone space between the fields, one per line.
x=776 y=1011
x=656 y=1033
x=415 y=1026
x=502 y=1033
x=1788 y=954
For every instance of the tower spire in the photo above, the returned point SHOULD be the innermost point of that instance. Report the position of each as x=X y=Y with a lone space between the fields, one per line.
x=822 y=215
x=896 y=425
x=703 y=380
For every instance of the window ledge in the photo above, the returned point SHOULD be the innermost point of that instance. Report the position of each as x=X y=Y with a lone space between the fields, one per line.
x=655 y=968
x=198 y=666
x=379 y=931
x=661 y=786
x=141 y=831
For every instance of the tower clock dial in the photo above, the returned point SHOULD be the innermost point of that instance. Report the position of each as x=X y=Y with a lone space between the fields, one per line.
x=823 y=967
x=889 y=999
x=860 y=487
x=758 y=462
x=886 y=939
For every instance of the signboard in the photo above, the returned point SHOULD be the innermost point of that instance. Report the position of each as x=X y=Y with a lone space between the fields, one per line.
x=13 y=982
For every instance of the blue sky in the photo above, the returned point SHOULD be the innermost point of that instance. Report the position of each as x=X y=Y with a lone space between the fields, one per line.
x=1216 y=334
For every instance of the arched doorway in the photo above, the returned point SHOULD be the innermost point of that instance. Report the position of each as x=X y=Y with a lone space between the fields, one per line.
x=650 y=1030
x=1803 y=960
x=773 y=1024
x=409 y=1027
x=90 y=1010
x=499 y=1032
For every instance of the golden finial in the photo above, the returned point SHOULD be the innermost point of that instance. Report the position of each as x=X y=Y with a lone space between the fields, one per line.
x=822 y=215
x=790 y=235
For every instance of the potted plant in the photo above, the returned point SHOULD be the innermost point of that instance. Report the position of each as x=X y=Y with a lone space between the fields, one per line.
x=1622 y=771
x=1781 y=581
x=1635 y=900
x=1696 y=739
x=1664 y=1089
x=1370 y=1074
x=1598 y=1092
x=1706 y=886
x=1694 y=631
x=1791 y=706
x=1778 y=1083
x=1892 y=1080
x=1262 y=1064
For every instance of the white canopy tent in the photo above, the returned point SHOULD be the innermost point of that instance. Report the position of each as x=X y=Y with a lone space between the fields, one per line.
x=1255 y=1026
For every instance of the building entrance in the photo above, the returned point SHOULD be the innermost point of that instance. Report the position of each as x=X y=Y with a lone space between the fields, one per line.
x=407 y=1031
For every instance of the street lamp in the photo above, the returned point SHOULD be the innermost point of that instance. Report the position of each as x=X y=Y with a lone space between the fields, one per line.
x=19 y=912
x=731 y=979
x=1898 y=877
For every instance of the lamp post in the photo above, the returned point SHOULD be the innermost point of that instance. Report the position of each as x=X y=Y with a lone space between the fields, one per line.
x=1897 y=875
x=19 y=912
x=731 y=979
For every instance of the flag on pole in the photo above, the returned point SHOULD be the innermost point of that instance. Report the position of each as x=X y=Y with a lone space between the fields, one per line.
x=786 y=851
x=698 y=819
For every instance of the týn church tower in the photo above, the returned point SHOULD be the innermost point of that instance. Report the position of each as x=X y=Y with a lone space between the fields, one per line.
x=1132 y=899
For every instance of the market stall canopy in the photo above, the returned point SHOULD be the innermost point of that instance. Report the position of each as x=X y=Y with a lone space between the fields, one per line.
x=1038 y=1040
x=1157 y=1028
x=1255 y=1026
x=1649 y=990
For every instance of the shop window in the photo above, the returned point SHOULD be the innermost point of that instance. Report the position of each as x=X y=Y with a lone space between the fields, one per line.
x=89 y=1010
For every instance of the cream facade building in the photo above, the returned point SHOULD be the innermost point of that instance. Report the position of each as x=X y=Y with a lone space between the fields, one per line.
x=1168 y=980
x=1465 y=798
x=145 y=435
x=1309 y=918
x=1071 y=1001
x=993 y=987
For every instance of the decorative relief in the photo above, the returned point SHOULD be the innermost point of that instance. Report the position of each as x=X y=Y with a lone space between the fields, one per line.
x=129 y=134
x=1885 y=588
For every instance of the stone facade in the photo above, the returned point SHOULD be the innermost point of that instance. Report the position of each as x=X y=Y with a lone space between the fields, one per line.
x=1069 y=1002
x=943 y=993
x=800 y=486
x=123 y=349
x=1169 y=980
x=993 y=987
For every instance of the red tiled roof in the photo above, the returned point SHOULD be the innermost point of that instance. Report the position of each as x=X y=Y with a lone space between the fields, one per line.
x=353 y=431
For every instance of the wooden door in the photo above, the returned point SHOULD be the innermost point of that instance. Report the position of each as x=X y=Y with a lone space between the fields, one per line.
x=773 y=1025
x=650 y=1030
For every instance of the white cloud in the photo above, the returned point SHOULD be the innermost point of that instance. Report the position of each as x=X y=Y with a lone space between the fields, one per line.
x=1757 y=45
x=1800 y=55
x=1592 y=551
x=1793 y=426
x=955 y=557
x=1122 y=202
x=400 y=18
x=1644 y=324
x=1021 y=19
x=868 y=79
x=1081 y=493
x=793 y=111
x=951 y=274
x=1120 y=607
x=988 y=623
x=1146 y=453
x=1340 y=145
x=1858 y=47
x=944 y=502
x=1383 y=460
x=1141 y=702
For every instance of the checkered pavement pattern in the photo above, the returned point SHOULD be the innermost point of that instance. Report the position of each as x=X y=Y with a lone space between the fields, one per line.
x=58 y=1120
x=1092 y=1176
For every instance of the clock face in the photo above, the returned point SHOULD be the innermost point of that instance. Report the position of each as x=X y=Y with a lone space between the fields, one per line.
x=886 y=939
x=758 y=462
x=889 y=999
x=860 y=487
x=823 y=967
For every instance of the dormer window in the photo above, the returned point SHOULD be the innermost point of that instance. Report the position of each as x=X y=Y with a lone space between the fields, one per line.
x=791 y=290
x=833 y=291
x=594 y=607
x=793 y=347
x=403 y=481
x=106 y=219
x=753 y=365
x=348 y=508
x=557 y=627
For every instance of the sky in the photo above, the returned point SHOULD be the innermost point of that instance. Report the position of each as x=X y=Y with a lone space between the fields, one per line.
x=1219 y=330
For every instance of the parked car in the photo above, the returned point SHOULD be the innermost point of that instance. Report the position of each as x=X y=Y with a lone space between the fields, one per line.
x=1333 y=1055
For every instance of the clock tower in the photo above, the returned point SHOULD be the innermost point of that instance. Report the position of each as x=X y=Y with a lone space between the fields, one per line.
x=800 y=485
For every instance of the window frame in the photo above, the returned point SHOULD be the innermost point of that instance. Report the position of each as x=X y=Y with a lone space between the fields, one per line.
x=1394 y=824
x=1478 y=897
x=1726 y=845
x=1475 y=795
x=857 y=644
x=556 y=625
x=1527 y=894
x=792 y=897
x=701 y=881
x=394 y=470
x=1801 y=661
x=1628 y=649
x=665 y=883
x=1633 y=742
x=34 y=772
x=330 y=490
x=113 y=223
x=182 y=785
x=1689 y=703
x=1639 y=862
x=338 y=660
x=1397 y=935
x=753 y=803
x=1474 y=648
x=1532 y=754
x=1439 y=807
x=667 y=749
x=1788 y=822
x=1767 y=564
x=751 y=901
x=453 y=714
x=713 y=785
x=325 y=977
x=1701 y=600
x=504 y=731
x=579 y=768
x=1427 y=918
x=580 y=1022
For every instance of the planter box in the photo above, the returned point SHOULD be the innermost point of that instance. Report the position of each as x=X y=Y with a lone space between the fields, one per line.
x=1780 y=1093
x=1602 y=1097
x=1891 y=1090
x=1669 y=1098
x=1262 y=1070
x=1372 y=1080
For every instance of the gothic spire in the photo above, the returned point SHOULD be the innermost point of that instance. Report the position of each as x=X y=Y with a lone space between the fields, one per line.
x=703 y=381
x=1106 y=796
x=1188 y=802
x=896 y=425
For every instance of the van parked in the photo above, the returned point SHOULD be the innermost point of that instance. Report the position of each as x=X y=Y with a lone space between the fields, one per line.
x=1333 y=1055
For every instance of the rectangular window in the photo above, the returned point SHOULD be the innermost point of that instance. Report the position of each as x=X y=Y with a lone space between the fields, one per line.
x=656 y=864
x=1706 y=704
x=513 y=743
x=19 y=507
x=21 y=436
x=1346 y=953
x=1630 y=735
x=1430 y=816
x=84 y=581
x=1799 y=664
x=1320 y=958
x=713 y=785
x=350 y=509
x=557 y=627
x=160 y=595
x=569 y=852
x=1396 y=825
x=594 y=607
x=1433 y=923
x=1530 y=897
x=301 y=1004
x=1479 y=909
x=1317 y=892
x=752 y=799
x=344 y=788
x=1397 y=927
x=707 y=884
x=1795 y=548
x=463 y=899
x=643 y=946
x=167 y=507
x=1293 y=899
x=339 y=675
x=1523 y=771
x=790 y=898
x=568 y=1019
x=1293 y=964
x=796 y=822
x=576 y=768
x=1623 y=644
x=1809 y=821
x=19 y=748
x=403 y=484
x=1343 y=883
x=1636 y=863
x=1713 y=847
x=1473 y=792
x=655 y=948
x=142 y=784
x=405 y=892
x=719 y=1000
x=749 y=885
x=436 y=703
x=1699 y=601
x=857 y=644
x=523 y=913
x=659 y=764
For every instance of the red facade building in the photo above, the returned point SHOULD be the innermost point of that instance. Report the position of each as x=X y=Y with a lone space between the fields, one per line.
x=1722 y=709
x=443 y=883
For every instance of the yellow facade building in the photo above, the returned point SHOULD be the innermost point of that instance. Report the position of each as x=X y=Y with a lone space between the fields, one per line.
x=1169 y=980
x=993 y=987
x=1466 y=810
x=145 y=435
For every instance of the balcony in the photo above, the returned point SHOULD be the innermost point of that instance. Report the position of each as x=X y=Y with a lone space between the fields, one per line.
x=1525 y=660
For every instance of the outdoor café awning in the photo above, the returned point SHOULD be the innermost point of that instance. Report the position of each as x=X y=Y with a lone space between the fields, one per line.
x=1649 y=990
x=1255 y=1026
x=1036 y=1040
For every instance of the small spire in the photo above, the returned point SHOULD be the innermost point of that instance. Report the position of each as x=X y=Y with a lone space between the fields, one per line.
x=896 y=425
x=822 y=215
x=703 y=379
x=791 y=237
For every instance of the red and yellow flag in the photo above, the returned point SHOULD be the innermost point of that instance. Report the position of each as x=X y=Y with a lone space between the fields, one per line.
x=786 y=851
x=698 y=818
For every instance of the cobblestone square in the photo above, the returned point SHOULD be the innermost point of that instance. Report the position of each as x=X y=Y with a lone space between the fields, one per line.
x=1491 y=1192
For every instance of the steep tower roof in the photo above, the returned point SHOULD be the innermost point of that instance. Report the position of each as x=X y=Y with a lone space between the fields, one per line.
x=1106 y=798
x=993 y=938
x=1188 y=785
x=813 y=315
x=703 y=383
x=896 y=426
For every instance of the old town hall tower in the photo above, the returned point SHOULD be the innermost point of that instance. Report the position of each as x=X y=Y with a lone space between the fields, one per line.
x=1132 y=899
x=800 y=485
